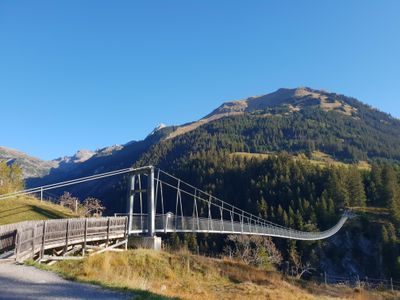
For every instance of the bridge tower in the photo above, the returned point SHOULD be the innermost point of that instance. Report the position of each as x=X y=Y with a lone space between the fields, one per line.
x=150 y=240
x=151 y=214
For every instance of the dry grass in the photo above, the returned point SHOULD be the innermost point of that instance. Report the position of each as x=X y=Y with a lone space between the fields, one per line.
x=26 y=208
x=192 y=126
x=318 y=158
x=187 y=276
x=322 y=158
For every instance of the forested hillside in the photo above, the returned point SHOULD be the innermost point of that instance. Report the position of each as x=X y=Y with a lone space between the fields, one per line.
x=277 y=129
x=301 y=195
x=285 y=129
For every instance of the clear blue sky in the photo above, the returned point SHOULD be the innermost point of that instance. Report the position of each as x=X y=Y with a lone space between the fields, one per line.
x=88 y=74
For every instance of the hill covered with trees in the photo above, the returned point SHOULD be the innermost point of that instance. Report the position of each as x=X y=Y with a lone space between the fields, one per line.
x=285 y=129
x=301 y=195
x=342 y=127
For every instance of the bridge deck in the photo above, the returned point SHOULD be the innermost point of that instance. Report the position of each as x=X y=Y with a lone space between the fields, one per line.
x=167 y=223
x=35 y=237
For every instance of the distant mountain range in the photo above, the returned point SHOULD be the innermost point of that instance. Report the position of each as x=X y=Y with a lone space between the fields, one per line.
x=31 y=166
x=301 y=120
x=34 y=167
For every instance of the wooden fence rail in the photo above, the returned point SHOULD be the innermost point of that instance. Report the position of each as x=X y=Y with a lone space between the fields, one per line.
x=33 y=238
x=7 y=240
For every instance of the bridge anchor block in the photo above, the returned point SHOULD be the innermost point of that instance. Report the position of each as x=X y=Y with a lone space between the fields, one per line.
x=145 y=242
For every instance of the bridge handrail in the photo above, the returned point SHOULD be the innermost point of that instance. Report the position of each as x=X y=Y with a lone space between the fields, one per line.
x=170 y=223
x=236 y=211
x=33 y=237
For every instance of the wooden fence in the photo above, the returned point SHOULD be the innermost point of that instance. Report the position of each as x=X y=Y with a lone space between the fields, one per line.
x=33 y=238
x=7 y=240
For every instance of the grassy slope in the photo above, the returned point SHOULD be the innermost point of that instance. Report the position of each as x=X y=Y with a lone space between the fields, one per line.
x=318 y=158
x=26 y=208
x=182 y=275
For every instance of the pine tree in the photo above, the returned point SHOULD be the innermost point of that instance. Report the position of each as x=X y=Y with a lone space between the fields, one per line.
x=262 y=208
x=337 y=187
x=355 y=187
x=285 y=218
x=375 y=185
x=391 y=192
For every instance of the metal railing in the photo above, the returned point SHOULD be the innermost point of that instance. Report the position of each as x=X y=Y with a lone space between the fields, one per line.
x=169 y=223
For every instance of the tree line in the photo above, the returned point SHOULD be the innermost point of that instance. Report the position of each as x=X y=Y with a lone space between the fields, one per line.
x=301 y=195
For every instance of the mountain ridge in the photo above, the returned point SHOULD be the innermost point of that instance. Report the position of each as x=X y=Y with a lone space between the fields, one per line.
x=284 y=102
x=294 y=98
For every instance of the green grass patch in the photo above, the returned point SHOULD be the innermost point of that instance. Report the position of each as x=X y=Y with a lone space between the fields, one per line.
x=317 y=158
x=25 y=208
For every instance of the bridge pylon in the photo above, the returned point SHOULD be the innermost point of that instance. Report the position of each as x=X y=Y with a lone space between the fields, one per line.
x=150 y=240
x=151 y=208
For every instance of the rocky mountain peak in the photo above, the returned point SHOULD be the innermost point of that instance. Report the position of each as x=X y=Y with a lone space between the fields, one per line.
x=295 y=99
x=157 y=128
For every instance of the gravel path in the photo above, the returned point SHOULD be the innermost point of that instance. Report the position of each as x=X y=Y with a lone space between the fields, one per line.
x=23 y=282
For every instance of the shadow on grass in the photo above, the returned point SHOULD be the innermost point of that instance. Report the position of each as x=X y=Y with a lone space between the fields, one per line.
x=12 y=209
x=49 y=214
x=14 y=213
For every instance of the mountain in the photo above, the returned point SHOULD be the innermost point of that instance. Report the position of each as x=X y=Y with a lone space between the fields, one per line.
x=293 y=99
x=31 y=166
x=102 y=160
x=300 y=120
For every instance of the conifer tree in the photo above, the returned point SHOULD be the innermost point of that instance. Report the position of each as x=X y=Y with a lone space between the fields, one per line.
x=391 y=192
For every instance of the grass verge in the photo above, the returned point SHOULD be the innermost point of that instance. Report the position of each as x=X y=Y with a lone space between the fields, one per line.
x=162 y=275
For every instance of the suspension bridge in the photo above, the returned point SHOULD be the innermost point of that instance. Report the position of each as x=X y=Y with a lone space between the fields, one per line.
x=157 y=202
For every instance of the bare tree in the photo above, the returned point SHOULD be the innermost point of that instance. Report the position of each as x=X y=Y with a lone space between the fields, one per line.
x=67 y=200
x=93 y=207
x=253 y=250
x=298 y=267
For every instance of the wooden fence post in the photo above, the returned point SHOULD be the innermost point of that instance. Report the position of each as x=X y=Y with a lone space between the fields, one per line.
x=126 y=234
x=85 y=237
x=43 y=239
x=66 y=237
x=108 y=231
x=126 y=227
x=17 y=245
x=33 y=240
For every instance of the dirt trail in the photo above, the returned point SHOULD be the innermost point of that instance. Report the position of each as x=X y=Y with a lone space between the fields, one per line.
x=24 y=282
